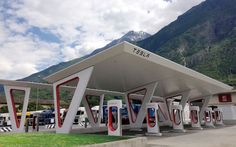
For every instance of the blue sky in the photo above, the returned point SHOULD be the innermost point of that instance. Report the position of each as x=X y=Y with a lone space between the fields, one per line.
x=35 y=34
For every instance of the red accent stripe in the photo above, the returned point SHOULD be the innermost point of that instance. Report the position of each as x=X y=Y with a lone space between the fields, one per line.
x=174 y=116
x=168 y=105
x=111 y=128
x=195 y=121
x=14 y=107
x=86 y=97
x=58 y=100
x=130 y=106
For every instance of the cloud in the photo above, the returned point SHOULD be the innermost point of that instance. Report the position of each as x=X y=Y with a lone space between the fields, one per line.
x=37 y=33
x=21 y=56
x=112 y=18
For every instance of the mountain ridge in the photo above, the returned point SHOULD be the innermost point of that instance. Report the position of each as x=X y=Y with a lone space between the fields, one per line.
x=130 y=36
x=203 y=39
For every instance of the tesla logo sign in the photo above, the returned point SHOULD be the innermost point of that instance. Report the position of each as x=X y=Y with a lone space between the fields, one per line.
x=225 y=98
x=141 y=53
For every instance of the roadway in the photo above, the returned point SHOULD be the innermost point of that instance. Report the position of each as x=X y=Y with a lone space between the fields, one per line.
x=215 y=137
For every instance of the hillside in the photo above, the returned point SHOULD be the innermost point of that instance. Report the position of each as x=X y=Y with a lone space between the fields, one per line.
x=203 y=38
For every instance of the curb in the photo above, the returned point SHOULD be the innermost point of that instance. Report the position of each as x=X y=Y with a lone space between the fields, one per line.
x=134 y=142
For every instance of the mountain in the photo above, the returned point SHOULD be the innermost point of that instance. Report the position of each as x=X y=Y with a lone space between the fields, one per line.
x=131 y=36
x=203 y=39
x=38 y=77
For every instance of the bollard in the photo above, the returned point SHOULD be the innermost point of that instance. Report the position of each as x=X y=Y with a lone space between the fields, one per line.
x=86 y=122
x=33 y=123
x=27 y=125
x=37 y=124
x=106 y=120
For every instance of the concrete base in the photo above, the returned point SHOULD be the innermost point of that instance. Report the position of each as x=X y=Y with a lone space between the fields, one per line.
x=102 y=128
x=135 y=142
x=196 y=128
x=153 y=134
x=136 y=129
x=208 y=126
x=220 y=125
x=179 y=131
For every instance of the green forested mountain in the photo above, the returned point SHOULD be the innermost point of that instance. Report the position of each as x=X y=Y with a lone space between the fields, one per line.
x=203 y=38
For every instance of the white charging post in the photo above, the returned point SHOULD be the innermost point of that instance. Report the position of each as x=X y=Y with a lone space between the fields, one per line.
x=208 y=117
x=218 y=116
x=114 y=117
x=152 y=119
x=195 y=117
x=177 y=118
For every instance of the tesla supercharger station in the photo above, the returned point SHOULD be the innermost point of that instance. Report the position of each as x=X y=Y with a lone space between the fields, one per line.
x=177 y=118
x=195 y=117
x=152 y=119
x=114 y=117
x=218 y=116
x=208 y=117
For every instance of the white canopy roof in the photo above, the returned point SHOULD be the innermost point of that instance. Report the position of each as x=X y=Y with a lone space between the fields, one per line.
x=125 y=66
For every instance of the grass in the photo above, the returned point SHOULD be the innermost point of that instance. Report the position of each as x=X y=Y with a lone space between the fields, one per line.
x=53 y=140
